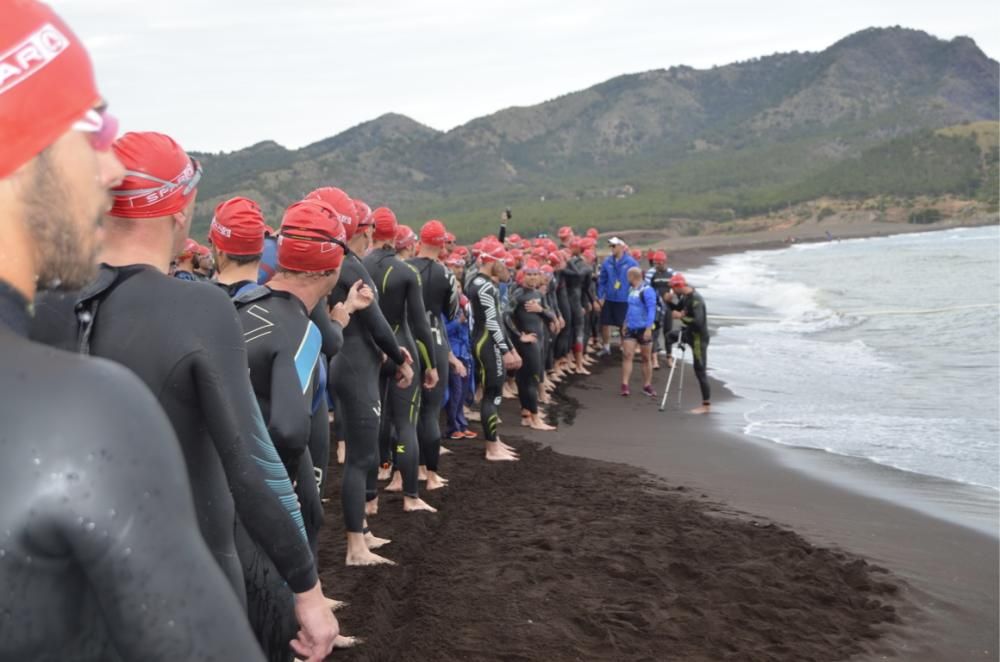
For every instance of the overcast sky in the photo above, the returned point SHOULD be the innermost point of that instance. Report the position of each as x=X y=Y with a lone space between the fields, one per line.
x=224 y=74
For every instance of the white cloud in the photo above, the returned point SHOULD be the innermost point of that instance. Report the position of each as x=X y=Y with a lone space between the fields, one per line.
x=228 y=73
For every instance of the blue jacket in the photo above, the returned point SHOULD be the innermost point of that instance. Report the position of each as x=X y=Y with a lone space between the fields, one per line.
x=612 y=285
x=641 y=307
x=460 y=339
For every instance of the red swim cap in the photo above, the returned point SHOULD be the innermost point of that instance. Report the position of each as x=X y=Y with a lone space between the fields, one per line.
x=493 y=253
x=405 y=237
x=434 y=234
x=46 y=81
x=462 y=251
x=364 y=213
x=160 y=178
x=565 y=231
x=592 y=233
x=532 y=267
x=312 y=237
x=678 y=280
x=589 y=255
x=449 y=238
x=636 y=253
x=238 y=227
x=575 y=244
x=385 y=224
x=659 y=257
x=190 y=248
x=347 y=213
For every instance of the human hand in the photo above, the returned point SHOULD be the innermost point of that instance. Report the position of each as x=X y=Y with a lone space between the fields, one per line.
x=529 y=338
x=511 y=361
x=647 y=335
x=404 y=375
x=406 y=353
x=359 y=297
x=430 y=378
x=533 y=306
x=318 y=627
x=677 y=314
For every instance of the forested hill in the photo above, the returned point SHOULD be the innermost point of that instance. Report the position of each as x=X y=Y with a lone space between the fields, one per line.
x=860 y=118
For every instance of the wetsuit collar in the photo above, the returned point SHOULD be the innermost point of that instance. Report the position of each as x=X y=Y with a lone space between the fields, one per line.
x=282 y=294
x=15 y=310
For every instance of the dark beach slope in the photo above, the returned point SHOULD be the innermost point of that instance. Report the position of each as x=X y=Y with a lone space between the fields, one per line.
x=949 y=573
x=566 y=558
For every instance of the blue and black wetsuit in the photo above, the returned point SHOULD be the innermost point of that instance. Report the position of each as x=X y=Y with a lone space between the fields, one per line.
x=354 y=377
x=184 y=341
x=401 y=299
x=441 y=298
x=284 y=352
x=100 y=557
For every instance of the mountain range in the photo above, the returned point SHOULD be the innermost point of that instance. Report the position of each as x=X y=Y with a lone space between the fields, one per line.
x=641 y=150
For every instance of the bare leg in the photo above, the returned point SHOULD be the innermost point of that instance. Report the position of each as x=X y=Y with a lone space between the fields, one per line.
x=647 y=365
x=628 y=352
x=341 y=451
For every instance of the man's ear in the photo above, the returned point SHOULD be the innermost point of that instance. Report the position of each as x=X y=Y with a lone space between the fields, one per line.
x=181 y=220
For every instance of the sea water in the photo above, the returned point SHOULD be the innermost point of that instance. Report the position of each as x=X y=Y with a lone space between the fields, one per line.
x=886 y=349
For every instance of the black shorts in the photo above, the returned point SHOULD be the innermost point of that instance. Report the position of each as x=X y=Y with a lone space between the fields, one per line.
x=638 y=335
x=613 y=313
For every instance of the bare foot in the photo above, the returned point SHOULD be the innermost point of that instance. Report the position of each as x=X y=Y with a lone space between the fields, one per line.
x=704 y=409
x=525 y=421
x=385 y=472
x=335 y=605
x=537 y=423
x=445 y=451
x=396 y=484
x=341 y=451
x=371 y=507
x=422 y=472
x=373 y=542
x=497 y=453
x=583 y=371
x=416 y=504
x=507 y=447
x=473 y=416
x=367 y=558
x=435 y=482
x=342 y=642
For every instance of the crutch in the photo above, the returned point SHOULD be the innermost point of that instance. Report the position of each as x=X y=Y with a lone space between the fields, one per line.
x=680 y=389
x=670 y=376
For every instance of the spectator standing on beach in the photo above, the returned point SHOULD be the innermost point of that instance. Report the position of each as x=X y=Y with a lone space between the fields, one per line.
x=689 y=308
x=638 y=331
x=612 y=290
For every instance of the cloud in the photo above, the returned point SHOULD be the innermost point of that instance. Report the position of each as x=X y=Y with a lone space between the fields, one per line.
x=226 y=74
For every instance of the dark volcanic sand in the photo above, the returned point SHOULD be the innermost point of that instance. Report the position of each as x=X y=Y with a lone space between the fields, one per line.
x=563 y=558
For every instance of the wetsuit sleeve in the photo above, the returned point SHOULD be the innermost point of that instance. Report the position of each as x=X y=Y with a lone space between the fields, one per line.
x=454 y=296
x=562 y=297
x=259 y=483
x=332 y=332
x=417 y=314
x=130 y=524
x=508 y=313
x=488 y=301
x=289 y=416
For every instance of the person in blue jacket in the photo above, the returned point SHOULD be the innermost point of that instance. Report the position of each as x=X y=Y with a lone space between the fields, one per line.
x=639 y=320
x=612 y=290
x=459 y=381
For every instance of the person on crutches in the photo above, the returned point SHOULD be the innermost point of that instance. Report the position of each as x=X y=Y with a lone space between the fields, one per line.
x=689 y=308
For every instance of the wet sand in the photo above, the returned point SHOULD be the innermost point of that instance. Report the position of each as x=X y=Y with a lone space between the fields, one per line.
x=568 y=558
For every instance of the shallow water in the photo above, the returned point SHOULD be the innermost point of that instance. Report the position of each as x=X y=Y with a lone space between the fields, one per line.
x=886 y=349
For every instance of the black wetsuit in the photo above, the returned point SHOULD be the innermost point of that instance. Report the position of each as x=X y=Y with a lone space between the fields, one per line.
x=441 y=298
x=520 y=321
x=402 y=303
x=573 y=277
x=100 y=557
x=354 y=374
x=695 y=333
x=184 y=341
x=489 y=346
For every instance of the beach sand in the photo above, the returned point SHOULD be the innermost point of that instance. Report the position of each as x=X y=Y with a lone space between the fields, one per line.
x=568 y=558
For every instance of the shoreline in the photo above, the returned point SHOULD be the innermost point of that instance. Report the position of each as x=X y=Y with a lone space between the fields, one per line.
x=950 y=571
x=903 y=520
